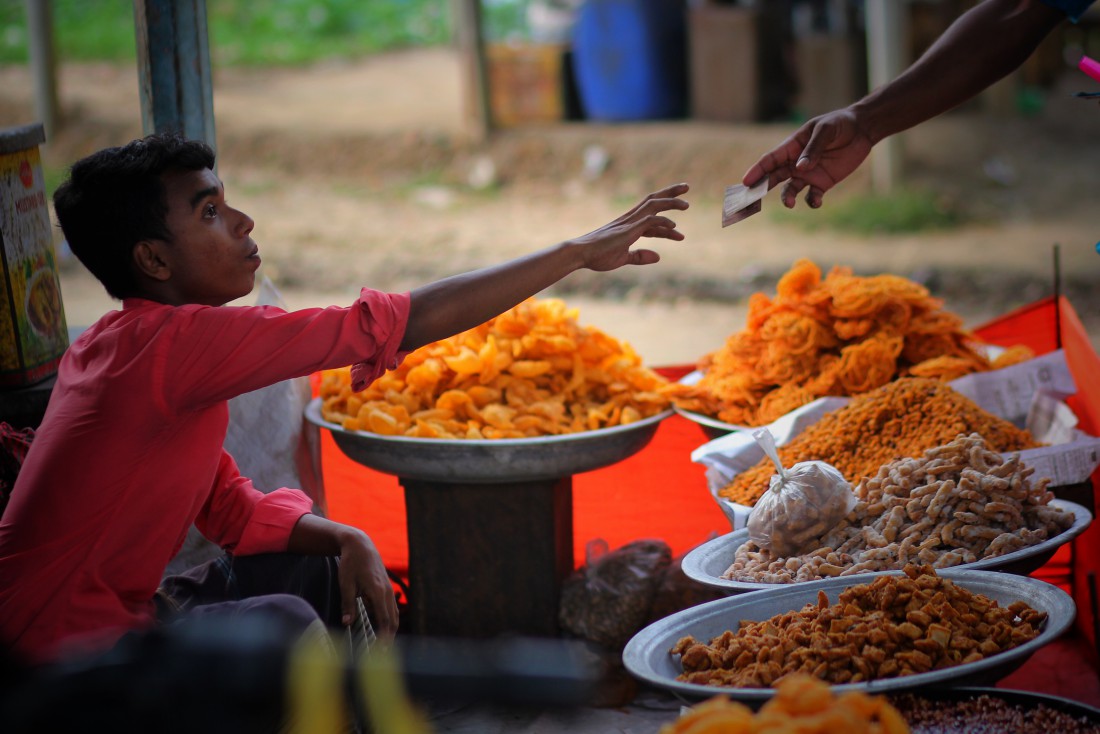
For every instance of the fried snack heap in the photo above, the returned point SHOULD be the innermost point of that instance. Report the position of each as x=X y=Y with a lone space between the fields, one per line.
x=532 y=371
x=841 y=335
x=801 y=705
x=958 y=503
x=892 y=627
x=901 y=419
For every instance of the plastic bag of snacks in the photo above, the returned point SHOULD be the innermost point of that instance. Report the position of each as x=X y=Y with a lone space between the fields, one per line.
x=801 y=503
x=609 y=599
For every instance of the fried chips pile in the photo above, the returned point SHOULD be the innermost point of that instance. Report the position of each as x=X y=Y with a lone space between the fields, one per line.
x=839 y=335
x=532 y=371
x=802 y=704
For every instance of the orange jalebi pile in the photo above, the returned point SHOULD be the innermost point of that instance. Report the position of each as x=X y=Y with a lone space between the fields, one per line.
x=531 y=371
x=839 y=335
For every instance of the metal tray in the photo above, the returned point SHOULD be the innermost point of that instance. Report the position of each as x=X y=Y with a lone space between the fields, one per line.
x=466 y=461
x=647 y=656
x=707 y=562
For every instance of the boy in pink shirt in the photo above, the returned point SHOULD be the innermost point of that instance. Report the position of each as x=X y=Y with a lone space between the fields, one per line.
x=130 y=454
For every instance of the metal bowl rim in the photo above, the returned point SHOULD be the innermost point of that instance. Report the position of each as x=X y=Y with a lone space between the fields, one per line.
x=1082 y=519
x=313 y=414
x=1061 y=602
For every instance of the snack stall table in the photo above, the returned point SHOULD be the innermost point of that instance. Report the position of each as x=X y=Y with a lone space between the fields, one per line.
x=489 y=522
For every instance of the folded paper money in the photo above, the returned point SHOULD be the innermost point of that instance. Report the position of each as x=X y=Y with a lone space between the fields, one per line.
x=741 y=202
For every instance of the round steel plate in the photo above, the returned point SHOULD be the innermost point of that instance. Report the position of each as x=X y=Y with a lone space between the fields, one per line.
x=707 y=562
x=480 y=461
x=647 y=656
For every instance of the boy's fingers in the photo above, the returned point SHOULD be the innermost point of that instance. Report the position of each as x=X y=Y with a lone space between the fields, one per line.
x=643 y=257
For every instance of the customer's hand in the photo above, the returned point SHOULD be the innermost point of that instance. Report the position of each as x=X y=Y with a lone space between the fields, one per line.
x=820 y=154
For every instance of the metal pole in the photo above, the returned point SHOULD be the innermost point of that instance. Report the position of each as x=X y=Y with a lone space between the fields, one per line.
x=174 y=68
x=885 y=39
x=43 y=63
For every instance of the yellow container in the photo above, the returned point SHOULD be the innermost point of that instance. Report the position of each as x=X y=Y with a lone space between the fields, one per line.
x=33 y=334
x=525 y=83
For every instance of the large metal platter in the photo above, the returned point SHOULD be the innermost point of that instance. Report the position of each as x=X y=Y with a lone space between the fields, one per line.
x=480 y=461
x=647 y=656
x=707 y=562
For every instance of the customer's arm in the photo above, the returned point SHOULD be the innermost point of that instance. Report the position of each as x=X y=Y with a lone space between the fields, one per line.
x=981 y=47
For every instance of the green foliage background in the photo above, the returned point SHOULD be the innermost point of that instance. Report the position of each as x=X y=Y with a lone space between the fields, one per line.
x=259 y=32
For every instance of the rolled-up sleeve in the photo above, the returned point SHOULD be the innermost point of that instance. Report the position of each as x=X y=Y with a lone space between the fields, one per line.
x=383 y=315
x=244 y=520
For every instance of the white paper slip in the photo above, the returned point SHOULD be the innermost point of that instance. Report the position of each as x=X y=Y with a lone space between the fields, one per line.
x=741 y=202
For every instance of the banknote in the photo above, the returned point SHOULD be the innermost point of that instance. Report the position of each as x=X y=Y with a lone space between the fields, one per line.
x=742 y=202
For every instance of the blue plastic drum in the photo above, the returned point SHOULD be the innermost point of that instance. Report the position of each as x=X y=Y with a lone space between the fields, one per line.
x=630 y=59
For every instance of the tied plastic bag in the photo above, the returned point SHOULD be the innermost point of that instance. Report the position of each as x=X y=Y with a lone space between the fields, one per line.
x=609 y=599
x=801 y=503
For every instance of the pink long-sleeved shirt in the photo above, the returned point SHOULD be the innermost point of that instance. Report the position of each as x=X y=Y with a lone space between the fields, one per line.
x=130 y=454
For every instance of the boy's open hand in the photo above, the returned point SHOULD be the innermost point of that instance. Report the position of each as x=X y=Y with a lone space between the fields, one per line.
x=608 y=247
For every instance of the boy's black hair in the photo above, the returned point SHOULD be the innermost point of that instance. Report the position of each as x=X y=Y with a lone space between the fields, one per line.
x=115 y=198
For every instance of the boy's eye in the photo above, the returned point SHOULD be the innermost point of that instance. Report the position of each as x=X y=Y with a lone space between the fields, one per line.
x=210 y=211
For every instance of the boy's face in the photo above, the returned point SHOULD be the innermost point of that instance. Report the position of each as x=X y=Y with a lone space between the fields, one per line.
x=212 y=257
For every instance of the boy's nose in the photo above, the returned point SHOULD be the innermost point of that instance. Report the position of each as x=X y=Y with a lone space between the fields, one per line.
x=247 y=224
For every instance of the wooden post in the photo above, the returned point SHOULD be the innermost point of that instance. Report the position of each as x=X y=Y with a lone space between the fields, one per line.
x=471 y=46
x=174 y=68
x=885 y=40
x=488 y=559
x=43 y=63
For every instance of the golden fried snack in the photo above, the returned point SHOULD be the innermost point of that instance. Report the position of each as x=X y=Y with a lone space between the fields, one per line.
x=894 y=626
x=841 y=335
x=532 y=371
x=958 y=503
x=802 y=704
x=903 y=418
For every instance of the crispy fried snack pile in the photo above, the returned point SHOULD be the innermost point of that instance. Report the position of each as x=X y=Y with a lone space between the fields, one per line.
x=801 y=705
x=841 y=335
x=958 y=503
x=532 y=371
x=903 y=418
x=894 y=626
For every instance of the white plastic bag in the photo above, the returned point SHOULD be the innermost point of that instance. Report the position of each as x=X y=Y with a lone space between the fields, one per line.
x=802 y=503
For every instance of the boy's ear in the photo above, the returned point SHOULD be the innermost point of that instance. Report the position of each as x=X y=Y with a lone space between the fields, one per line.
x=150 y=259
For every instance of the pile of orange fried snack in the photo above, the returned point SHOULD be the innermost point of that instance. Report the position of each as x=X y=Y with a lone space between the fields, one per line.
x=839 y=335
x=532 y=371
x=802 y=705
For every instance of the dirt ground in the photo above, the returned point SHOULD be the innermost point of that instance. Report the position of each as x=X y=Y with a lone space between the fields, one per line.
x=363 y=173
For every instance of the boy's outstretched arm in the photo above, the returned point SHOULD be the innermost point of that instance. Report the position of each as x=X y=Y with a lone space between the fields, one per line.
x=452 y=305
x=362 y=573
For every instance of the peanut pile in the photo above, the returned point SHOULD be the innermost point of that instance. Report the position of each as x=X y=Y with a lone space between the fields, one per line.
x=958 y=503
x=895 y=626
